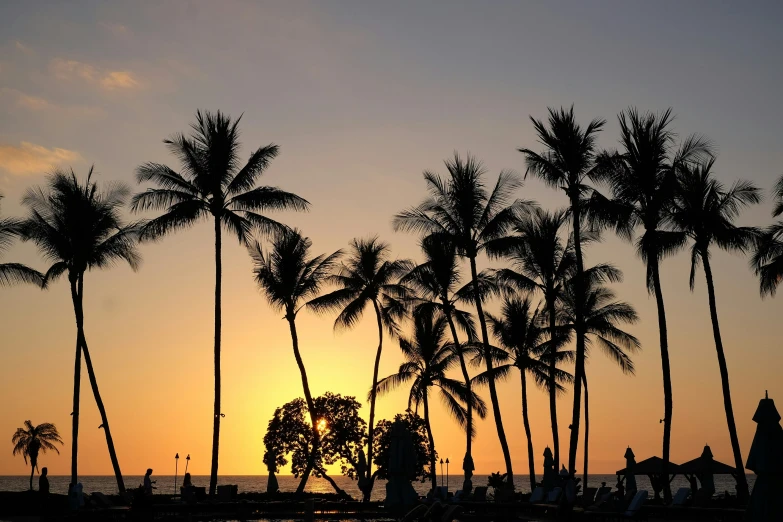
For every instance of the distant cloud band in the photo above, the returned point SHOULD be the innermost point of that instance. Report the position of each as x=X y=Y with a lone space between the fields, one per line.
x=30 y=159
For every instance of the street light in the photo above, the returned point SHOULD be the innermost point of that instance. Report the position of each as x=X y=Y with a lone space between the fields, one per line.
x=187 y=461
x=176 y=466
x=441 y=472
x=447 y=473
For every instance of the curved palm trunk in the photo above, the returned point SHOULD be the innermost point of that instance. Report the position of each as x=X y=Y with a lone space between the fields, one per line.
x=216 y=422
x=742 y=484
x=579 y=365
x=32 y=472
x=370 y=427
x=469 y=417
x=526 y=422
x=431 y=439
x=587 y=434
x=493 y=393
x=552 y=387
x=667 y=378
x=310 y=404
x=77 y=378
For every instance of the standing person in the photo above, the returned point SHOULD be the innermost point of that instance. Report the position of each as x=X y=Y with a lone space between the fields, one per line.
x=43 y=483
x=148 y=483
x=187 y=482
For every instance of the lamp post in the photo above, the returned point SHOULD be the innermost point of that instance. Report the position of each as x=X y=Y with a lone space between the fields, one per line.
x=447 y=473
x=176 y=466
x=441 y=472
x=187 y=461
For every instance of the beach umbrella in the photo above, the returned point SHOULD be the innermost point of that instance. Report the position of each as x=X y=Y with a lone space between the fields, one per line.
x=766 y=461
x=550 y=474
x=630 y=464
x=705 y=467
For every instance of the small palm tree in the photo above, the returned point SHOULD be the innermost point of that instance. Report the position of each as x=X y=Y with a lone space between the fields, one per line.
x=436 y=284
x=212 y=183
x=602 y=316
x=77 y=228
x=32 y=440
x=461 y=212
x=705 y=211
x=428 y=357
x=367 y=278
x=543 y=261
x=642 y=180
x=567 y=163
x=288 y=276
x=768 y=258
x=522 y=334
x=12 y=273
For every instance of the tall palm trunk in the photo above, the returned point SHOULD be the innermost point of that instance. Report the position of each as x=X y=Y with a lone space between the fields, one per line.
x=309 y=398
x=587 y=434
x=216 y=422
x=552 y=387
x=370 y=427
x=77 y=379
x=742 y=484
x=667 y=378
x=32 y=472
x=466 y=376
x=530 y=462
x=431 y=439
x=493 y=393
x=579 y=365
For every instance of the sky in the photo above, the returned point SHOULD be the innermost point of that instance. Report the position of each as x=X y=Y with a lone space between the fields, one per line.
x=362 y=97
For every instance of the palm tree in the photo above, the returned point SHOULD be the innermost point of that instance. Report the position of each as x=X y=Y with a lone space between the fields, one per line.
x=367 y=278
x=544 y=262
x=460 y=211
x=436 y=283
x=31 y=440
x=768 y=258
x=704 y=210
x=11 y=273
x=288 y=276
x=567 y=162
x=602 y=315
x=522 y=334
x=428 y=357
x=211 y=182
x=642 y=182
x=78 y=227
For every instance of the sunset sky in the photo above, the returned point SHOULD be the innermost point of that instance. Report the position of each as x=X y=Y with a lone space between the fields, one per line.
x=362 y=97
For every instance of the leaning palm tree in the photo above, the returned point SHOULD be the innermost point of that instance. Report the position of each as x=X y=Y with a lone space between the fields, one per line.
x=428 y=357
x=77 y=228
x=567 y=163
x=213 y=183
x=543 y=261
x=289 y=276
x=32 y=440
x=368 y=277
x=641 y=178
x=12 y=273
x=767 y=260
x=705 y=210
x=461 y=212
x=602 y=316
x=522 y=334
x=436 y=283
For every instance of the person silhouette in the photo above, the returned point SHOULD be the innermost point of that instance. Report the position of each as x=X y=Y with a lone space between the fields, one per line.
x=43 y=482
x=187 y=481
x=148 y=483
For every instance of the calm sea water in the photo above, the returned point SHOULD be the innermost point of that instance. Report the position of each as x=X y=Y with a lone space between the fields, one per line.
x=257 y=483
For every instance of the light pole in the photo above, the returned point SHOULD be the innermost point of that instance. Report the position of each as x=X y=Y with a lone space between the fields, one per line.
x=187 y=461
x=176 y=466
x=441 y=472
x=447 y=473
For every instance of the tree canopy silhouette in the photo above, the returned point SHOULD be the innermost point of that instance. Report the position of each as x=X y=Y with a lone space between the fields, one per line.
x=13 y=273
x=32 y=440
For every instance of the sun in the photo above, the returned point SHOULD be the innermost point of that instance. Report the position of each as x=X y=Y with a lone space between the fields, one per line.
x=321 y=425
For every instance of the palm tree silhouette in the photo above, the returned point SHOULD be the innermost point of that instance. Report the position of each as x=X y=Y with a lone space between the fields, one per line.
x=461 y=212
x=428 y=357
x=704 y=210
x=211 y=182
x=12 y=273
x=436 y=284
x=543 y=262
x=522 y=334
x=367 y=278
x=32 y=440
x=78 y=227
x=289 y=277
x=642 y=182
x=767 y=260
x=567 y=162
x=603 y=314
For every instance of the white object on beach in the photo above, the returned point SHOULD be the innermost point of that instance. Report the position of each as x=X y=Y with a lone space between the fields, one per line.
x=636 y=503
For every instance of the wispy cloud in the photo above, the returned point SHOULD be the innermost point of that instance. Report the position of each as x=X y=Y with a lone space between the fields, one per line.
x=69 y=70
x=13 y=99
x=30 y=159
x=115 y=29
x=23 y=48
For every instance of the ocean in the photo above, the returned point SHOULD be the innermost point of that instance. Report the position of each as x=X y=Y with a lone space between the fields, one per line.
x=257 y=483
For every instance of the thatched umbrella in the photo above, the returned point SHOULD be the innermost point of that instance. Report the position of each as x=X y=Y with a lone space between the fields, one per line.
x=653 y=468
x=766 y=461
x=704 y=468
x=630 y=464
